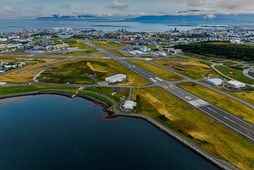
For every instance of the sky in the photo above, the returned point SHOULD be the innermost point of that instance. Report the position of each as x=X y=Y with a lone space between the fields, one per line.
x=33 y=8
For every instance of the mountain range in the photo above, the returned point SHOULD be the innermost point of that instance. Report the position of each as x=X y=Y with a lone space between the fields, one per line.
x=168 y=19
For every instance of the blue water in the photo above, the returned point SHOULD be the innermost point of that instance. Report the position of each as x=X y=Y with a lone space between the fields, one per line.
x=15 y=25
x=53 y=132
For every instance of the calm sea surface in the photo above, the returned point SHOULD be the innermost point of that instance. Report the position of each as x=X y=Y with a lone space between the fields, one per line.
x=22 y=24
x=53 y=132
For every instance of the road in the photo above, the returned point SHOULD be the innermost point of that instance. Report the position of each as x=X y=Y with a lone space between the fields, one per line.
x=231 y=121
x=223 y=75
x=187 y=79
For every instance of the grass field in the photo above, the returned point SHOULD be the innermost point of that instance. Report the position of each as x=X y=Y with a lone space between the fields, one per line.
x=195 y=126
x=80 y=72
x=108 y=45
x=107 y=91
x=191 y=68
x=221 y=101
x=111 y=46
x=75 y=43
x=238 y=74
x=247 y=96
x=26 y=74
x=156 y=70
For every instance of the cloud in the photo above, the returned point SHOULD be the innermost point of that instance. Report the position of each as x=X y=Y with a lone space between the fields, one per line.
x=37 y=10
x=223 y=6
x=118 y=5
x=10 y=11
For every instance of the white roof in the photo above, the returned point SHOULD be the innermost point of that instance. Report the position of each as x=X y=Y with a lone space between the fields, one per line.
x=236 y=83
x=215 y=80
x=116 y=77
x=128 y=104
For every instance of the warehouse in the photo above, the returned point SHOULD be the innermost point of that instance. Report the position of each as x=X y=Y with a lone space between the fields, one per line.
x=118 y=78
x=214 y=81
x=235 y=84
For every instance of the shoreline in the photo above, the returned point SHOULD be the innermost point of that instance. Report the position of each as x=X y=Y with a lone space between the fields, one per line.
x=106 y=108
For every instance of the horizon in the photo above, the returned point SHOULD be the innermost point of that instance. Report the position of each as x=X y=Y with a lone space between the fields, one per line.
x=27 y=8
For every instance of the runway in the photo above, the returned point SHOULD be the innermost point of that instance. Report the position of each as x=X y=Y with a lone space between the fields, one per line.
x=236 y=124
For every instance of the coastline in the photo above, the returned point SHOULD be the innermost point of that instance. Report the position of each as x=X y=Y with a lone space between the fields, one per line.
x=108 y=109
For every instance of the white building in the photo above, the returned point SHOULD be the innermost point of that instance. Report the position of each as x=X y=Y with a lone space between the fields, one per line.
x=129 y=105
x=236 y=42
x=144 y=49
x=2 y=83
x=118 y=78
x=214 y=81
x=235 y=84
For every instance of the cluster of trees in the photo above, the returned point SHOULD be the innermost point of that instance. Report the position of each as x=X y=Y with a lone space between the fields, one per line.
x=221 y=49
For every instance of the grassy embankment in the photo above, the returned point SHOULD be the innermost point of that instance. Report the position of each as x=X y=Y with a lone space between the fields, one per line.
x=192 y=68
x=195 y=126
x=26 y=74
x=107 y=91
x=25 y=89
x=156 y=70
x=80 y=72
x=247 y=96
x=56 y=89
x=237 y=73
x=224 y=102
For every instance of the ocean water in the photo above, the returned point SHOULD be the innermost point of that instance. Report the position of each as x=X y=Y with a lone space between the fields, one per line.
x=15 y=25
x=55 y=132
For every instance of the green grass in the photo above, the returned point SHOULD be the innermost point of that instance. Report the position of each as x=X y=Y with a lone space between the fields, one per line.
x=191 y=68
x=108 y=45
x=111 y=46
x=247 y=96
x=98 y=97
x=224 y=102
x=195 y=126
x=80 y=72
x=107 y=91
x=238 y=74
x=76 y=72
x=156 y=70
x=24 y=89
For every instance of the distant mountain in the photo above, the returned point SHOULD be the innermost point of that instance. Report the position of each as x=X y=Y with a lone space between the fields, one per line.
x=168 y=19
x=66 y=17
x=196 y=19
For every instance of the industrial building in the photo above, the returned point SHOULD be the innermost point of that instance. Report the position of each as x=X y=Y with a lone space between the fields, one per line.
x=214 y=81
x=118 y=78
x=235 y=84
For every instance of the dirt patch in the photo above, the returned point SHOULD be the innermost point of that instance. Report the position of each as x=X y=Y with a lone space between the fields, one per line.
x=199 y=135
x=197 y=64
x=94 y=68
x=161 y=107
